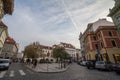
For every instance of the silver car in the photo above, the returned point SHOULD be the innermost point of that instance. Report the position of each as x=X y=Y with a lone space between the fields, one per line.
x=102 y=65
x=4 y=64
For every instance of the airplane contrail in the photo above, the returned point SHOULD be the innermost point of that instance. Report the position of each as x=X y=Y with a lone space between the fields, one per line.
x=70 y=15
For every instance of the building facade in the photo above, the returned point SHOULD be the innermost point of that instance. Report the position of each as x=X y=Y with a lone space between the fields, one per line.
x=78 y=54
x=82 y=44
x=3 y=34
x=70 y=49
x=10 y=48
x=102 y=41
x=115 y=14
x=47 y=51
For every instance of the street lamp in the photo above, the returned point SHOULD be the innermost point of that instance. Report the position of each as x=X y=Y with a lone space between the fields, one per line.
x=106 y=54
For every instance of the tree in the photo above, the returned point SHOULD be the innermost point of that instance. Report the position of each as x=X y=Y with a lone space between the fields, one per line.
x=31 y=51
x=59 y=52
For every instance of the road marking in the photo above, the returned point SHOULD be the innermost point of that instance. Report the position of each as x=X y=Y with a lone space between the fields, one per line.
x=2 y=74
x=21 y=72
x=11 y=73
x=29 y=71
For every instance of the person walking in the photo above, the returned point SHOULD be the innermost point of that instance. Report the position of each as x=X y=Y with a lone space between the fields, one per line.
x=34 y=63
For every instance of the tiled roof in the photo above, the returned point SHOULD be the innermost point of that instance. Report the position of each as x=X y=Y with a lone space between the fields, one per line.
x=10 y=40
x=67 y=45
x=2 y=24
x=45 y=47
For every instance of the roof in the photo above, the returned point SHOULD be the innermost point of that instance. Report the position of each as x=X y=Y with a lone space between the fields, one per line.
x=8 y=6
x=101 y=22
x=2 y=24
x=45 y=47
x=10 y=40
x=67 y=45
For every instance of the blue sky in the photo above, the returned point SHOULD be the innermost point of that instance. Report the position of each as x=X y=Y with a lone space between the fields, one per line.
x=53 y=21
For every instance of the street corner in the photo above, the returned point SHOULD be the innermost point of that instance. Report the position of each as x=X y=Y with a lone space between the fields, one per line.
x=48 y=68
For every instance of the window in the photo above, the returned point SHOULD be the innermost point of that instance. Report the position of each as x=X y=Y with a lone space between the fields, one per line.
x=96 y=45
x=118 y=19
x=113 y=43
x=94 y=37
x=101 y=44
x=110 y=34
x=99 y=35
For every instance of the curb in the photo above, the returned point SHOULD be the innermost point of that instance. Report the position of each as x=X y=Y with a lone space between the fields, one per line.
x=48 y=71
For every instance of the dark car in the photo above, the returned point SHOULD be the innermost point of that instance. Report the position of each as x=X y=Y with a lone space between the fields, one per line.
x=90 y=64
x=78 y=62
x=116 y=68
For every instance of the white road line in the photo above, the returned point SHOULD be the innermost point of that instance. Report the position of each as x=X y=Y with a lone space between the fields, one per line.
x=21 y=72
x=11 y=74
x=29 y=71
x=2 y=74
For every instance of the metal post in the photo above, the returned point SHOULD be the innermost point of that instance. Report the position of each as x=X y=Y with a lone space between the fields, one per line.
x=47 y=66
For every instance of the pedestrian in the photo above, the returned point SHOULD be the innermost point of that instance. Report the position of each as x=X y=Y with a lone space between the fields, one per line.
x=34 y=63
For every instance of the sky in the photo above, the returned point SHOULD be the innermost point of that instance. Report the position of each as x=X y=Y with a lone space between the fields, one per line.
x=50 y=22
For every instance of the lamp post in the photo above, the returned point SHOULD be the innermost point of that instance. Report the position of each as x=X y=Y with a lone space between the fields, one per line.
x=106 y=54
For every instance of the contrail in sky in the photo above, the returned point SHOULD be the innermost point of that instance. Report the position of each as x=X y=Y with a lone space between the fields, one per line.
x=70 y=15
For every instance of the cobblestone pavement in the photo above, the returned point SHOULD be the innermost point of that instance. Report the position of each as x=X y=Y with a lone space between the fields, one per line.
x=50 y=67
x=76 y=72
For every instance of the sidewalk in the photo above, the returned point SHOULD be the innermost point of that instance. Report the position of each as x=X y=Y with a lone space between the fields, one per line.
x=50 y=67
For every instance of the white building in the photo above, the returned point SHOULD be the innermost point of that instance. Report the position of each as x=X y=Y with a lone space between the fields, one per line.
x=70 y=49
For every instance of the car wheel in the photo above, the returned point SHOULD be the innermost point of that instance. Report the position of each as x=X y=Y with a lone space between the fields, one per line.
x=109 y=69
x=7 y=68
x=88 y=67
x=117 y=72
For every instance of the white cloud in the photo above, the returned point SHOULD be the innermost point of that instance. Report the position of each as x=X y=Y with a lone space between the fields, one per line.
x=48 y=22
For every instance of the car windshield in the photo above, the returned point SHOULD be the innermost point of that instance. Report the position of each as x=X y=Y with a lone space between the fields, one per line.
x=108 y=62
x=100 y=62
x=4 y=61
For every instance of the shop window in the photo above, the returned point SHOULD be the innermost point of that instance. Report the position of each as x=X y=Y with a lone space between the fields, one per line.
x=113 y=43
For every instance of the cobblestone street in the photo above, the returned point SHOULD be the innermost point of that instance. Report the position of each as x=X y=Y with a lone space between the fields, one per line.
x=75 y=72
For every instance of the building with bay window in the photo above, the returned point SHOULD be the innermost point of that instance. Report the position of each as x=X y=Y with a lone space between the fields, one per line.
x=102 y=41
x=115 y=14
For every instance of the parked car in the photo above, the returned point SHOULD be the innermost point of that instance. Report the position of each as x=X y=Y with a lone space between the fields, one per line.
x=83 y=63
x=79 y=62
x=116 y=68
x=90 y=64
x=102 y=65
x=4 y=64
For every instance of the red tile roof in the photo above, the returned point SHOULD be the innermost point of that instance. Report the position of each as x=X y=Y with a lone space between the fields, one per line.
x=2 y=24
x=67 y=45
x=10 y=40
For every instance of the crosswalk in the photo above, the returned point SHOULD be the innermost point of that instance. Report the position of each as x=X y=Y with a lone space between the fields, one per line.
x=12 y=73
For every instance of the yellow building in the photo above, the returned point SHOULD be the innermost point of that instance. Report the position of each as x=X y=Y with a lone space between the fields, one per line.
x=3 y=34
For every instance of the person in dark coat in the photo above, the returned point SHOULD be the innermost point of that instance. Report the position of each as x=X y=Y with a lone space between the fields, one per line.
x=34 y=63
